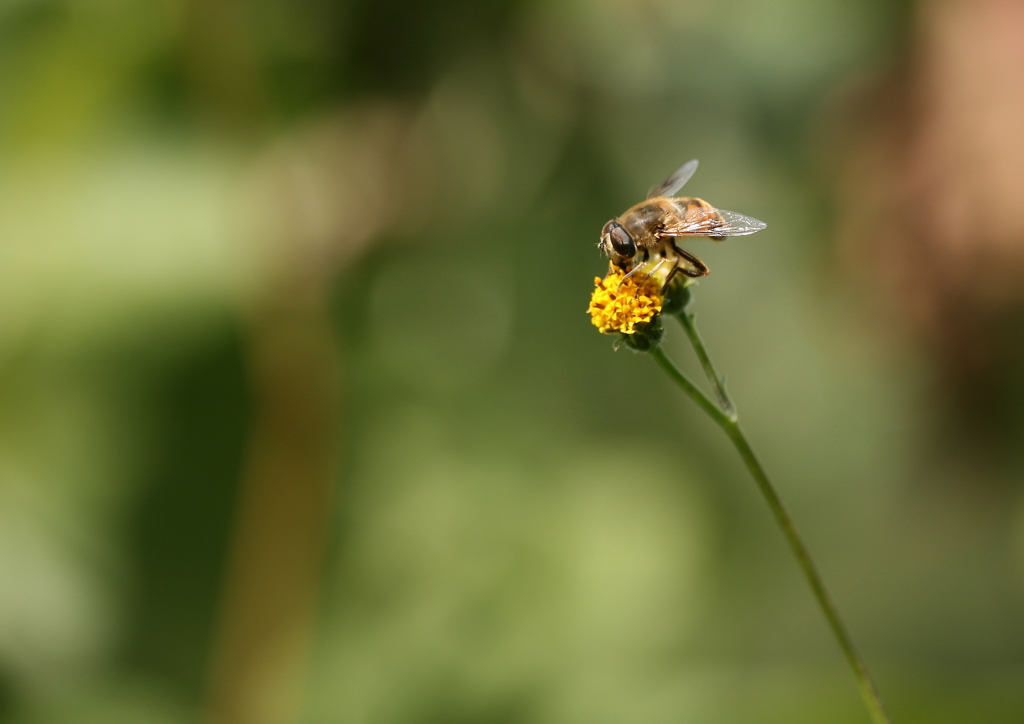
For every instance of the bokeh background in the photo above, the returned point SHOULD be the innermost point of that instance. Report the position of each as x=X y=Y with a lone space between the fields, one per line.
x=302 y=418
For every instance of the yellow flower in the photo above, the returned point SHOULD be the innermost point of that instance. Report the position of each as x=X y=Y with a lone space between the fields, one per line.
x=615 y=306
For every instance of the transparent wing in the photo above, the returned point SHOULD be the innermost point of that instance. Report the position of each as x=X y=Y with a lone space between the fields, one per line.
x=674 y=182
x=708 y=221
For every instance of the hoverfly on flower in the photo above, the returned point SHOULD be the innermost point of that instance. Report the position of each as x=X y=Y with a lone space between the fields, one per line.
x=646 y=233
x=645 y=257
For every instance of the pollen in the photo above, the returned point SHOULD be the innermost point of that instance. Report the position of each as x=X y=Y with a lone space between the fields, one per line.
x=624 y=306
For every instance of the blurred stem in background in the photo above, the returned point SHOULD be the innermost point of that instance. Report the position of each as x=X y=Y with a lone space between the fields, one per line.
x=271 y=582
x=725 y=415
x=274 y=564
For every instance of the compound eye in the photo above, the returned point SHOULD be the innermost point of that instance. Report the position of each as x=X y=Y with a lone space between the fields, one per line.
x=622 y=242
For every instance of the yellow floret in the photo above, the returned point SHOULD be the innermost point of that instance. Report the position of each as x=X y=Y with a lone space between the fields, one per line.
x=615 y=305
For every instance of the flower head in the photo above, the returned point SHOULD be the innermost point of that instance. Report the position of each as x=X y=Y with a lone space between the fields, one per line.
x=625 y=306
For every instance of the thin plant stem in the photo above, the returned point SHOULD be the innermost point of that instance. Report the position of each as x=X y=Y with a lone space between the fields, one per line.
x=688 y=321
x=725 y=416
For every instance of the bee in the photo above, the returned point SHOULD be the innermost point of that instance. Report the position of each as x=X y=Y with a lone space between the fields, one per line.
x=647 y=232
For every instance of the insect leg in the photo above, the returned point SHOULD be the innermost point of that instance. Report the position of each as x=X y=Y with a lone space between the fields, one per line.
x=671 y=275
x=648 y=276
x=701 y=268
x=635 y=269
x=632 y=271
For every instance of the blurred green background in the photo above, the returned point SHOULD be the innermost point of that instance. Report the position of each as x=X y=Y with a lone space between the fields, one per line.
x=302 y=418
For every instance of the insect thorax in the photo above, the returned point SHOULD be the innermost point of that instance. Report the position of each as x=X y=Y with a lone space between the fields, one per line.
x=644 y=219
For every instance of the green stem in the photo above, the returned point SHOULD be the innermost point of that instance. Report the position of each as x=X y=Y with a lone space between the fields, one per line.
x=687 y=320
x=726 y=418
